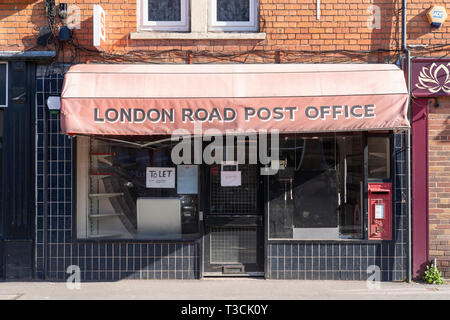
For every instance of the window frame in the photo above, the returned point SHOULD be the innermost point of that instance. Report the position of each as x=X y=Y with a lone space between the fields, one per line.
x=146 y=25
x=248 y=26
x=80 y=203
x=6 y=84
x=363 y=205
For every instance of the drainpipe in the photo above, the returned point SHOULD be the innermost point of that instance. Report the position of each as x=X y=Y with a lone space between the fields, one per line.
x=408 y=137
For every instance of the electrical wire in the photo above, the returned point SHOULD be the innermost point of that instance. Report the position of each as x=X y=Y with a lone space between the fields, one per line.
x=289 y=56
x=79 y=52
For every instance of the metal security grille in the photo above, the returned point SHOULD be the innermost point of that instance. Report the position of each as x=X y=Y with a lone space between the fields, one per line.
x=235 y=200
x=233 y=245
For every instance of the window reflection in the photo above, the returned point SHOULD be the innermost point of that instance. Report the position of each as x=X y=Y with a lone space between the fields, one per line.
x=316 y=193
x=379 y=160
x=119 y=202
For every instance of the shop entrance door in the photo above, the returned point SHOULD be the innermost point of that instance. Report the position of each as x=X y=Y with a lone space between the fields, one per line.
x=233 y=221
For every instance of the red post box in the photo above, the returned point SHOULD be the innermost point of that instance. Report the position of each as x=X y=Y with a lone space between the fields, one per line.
x=380 y=211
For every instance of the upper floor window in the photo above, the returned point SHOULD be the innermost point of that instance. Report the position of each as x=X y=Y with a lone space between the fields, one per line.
x=214 y=15
x=233 y=15
x=165 y=15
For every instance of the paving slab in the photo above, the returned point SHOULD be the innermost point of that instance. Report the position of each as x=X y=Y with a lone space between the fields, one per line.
x=223 y=289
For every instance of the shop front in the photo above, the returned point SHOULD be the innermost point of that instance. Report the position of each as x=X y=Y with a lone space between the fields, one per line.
x=279 y=171
x=430 y=103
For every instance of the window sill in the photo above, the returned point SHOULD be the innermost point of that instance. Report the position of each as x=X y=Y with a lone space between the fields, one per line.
x=148 y=35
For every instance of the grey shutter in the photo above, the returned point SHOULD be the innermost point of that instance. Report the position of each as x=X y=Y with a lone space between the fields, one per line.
x=3 y=84
x=18 y=153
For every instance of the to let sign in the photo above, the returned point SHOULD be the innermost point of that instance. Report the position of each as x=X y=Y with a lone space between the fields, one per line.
x=160 y=177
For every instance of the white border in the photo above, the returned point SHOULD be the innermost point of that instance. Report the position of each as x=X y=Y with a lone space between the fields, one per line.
x=144 y=24
x=7 y=85
x=214 y=25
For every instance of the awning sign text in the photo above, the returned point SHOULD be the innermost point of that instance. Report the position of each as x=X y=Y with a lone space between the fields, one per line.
x=193 y=115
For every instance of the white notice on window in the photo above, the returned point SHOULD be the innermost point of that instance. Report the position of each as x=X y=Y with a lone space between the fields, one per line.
x=230 y=178
x=187 y=179
x=379 y=211
x=158 y=177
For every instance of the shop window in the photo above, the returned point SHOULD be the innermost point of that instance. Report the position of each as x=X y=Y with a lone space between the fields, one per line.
x=165 y=15
x=379 y=159
x=132 y=190
x=317 y=191
x=3 y=84
x=233 y=15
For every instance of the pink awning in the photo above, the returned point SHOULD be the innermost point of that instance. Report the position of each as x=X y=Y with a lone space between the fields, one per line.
x=100 y=99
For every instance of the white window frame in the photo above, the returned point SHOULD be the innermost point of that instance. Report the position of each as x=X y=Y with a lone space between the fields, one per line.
x=251 y=25
x=6 y=86
x=182 y=25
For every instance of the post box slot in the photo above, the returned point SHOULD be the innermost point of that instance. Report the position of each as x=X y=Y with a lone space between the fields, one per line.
x=379 y=191
x=232 y=269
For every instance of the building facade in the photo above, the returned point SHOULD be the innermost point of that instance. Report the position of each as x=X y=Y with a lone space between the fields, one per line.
x=256 y=225
x=430 y=103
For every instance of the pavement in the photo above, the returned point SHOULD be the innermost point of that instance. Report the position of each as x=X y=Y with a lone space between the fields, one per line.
x=224 y=289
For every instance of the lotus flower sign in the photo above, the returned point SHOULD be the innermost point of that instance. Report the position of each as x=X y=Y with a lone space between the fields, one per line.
x=431 y=77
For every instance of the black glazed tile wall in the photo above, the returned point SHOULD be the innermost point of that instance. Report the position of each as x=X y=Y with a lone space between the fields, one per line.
x=98 y=261
x=350 y=260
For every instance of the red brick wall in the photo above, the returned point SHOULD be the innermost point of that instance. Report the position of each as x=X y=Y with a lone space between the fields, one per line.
x=439 y=182
x=289 y=24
